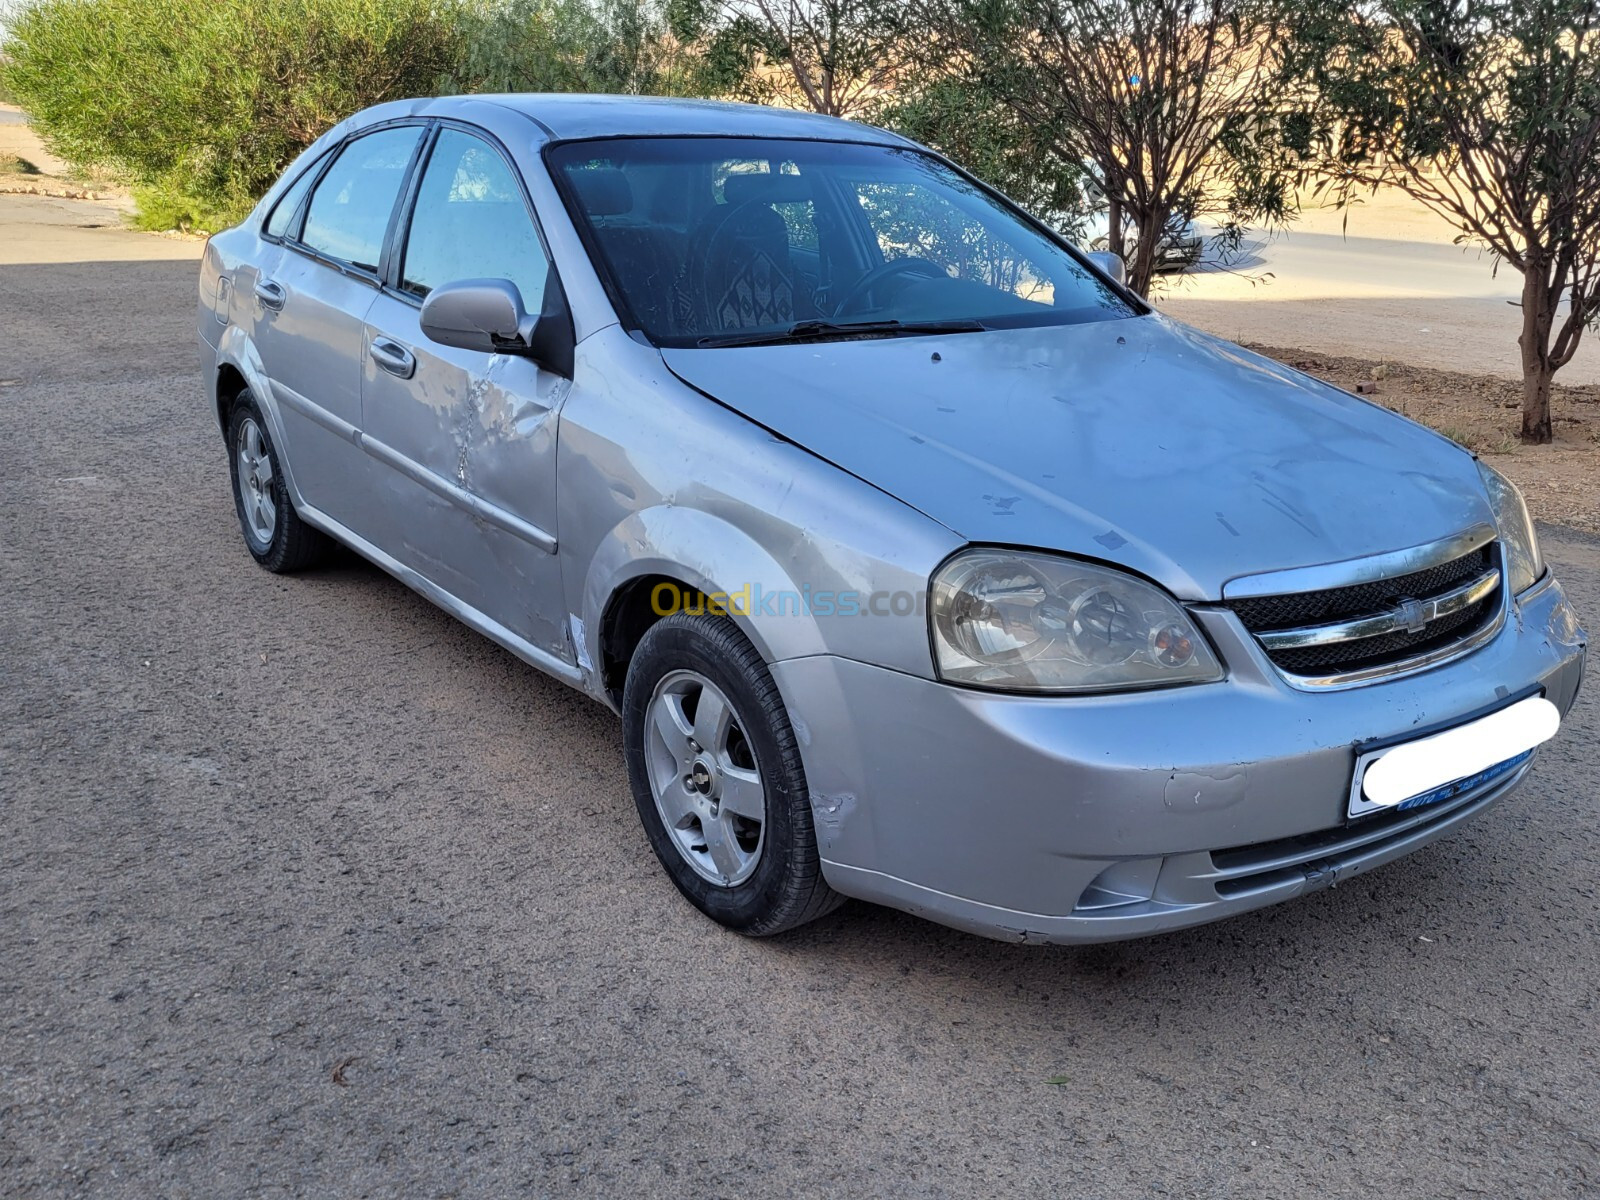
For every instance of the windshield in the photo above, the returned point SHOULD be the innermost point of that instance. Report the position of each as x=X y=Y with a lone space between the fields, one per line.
x=707 y=241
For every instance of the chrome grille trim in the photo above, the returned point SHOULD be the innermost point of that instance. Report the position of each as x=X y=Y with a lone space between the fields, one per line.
x=1421 y=614
x=1405 y=666
x=1329 y=576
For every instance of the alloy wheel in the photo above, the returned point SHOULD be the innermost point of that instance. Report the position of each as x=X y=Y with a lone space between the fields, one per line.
x=705 y=778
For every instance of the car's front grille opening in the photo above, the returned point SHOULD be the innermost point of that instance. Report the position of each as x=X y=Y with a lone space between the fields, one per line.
x=1368 y=626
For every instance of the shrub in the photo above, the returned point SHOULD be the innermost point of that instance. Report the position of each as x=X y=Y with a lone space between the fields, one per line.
x=200 y=104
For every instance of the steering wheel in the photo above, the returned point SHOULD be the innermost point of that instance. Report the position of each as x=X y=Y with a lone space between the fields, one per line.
x=914 y=267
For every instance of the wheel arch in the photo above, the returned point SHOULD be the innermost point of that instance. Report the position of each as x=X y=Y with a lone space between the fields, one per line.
x=703 y=558
x=239 y=369
x=229 y=383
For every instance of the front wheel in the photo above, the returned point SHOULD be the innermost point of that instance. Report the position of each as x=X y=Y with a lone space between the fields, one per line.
x=717 y=777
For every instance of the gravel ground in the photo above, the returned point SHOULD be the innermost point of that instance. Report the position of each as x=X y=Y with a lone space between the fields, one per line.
x=306 y=890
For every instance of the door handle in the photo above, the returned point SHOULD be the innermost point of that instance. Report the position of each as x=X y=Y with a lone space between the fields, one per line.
x=393 y=357
x=270 y=294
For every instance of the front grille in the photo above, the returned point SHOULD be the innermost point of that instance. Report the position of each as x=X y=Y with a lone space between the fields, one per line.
x=1307 y=610
x=1337 y=604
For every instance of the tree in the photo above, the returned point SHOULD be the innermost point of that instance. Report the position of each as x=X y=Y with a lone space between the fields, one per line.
x=832 y=56
x=954 y=112
x=1488 y=113
x=1174 y=106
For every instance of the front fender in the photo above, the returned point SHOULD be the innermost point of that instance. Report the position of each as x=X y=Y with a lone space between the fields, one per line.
x=705 y=552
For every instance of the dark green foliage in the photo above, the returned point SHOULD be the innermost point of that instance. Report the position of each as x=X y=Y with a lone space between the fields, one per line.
x=200 y=104
x=614 y=46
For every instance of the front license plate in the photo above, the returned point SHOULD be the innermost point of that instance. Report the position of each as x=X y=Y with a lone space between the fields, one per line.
x=1459 y=760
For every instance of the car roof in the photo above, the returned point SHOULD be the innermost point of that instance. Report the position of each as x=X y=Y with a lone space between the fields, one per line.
x=572 y=116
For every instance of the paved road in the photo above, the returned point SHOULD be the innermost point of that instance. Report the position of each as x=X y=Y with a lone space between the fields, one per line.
x=1395 y=288
x=305 y=890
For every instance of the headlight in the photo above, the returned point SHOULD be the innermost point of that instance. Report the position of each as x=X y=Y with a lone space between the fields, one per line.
x=1017 y=621
x=1524 y=563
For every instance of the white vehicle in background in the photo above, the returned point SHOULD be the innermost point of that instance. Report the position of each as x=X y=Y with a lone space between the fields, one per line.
x=1179 y=249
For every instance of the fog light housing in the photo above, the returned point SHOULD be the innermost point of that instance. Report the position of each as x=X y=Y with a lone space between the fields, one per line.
x=1131 y=881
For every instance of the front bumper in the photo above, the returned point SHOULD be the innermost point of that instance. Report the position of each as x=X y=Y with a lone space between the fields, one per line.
x=1086 y=819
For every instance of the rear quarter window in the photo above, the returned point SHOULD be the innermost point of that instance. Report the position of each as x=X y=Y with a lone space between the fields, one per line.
x=281 y=221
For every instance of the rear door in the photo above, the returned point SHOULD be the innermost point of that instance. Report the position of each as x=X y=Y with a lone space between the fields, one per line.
x=463 y=442
x=309 y=305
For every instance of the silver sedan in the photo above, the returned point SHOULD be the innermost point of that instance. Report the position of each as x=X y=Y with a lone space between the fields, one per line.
x=923 y=562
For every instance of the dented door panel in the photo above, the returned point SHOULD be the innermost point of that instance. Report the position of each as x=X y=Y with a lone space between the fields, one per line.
x=463 y=455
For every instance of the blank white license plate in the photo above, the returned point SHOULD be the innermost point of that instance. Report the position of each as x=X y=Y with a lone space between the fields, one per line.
x=1445 y=765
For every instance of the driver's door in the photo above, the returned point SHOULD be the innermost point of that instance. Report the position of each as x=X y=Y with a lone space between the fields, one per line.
x=464 y=442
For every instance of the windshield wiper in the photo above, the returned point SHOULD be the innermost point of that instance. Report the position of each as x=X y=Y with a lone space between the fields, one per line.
x=802 y=331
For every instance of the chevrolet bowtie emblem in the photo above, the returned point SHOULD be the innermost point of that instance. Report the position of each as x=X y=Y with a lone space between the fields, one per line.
x=1413 y=613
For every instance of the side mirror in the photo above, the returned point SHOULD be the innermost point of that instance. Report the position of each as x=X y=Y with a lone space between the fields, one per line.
x=1108 y=262
x=479 y=314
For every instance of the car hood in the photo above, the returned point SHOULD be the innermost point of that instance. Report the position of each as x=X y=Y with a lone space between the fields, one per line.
x=1136 y=441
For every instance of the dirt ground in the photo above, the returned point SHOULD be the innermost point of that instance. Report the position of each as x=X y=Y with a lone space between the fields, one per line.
x=1561 y=481
x=308 y=890
x=28 y=169
x=1383 y=279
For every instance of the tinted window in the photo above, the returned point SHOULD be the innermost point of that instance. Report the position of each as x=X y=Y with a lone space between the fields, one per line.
x=703 y=237
x=283 y=213
x=471 y=222
x=350 y=209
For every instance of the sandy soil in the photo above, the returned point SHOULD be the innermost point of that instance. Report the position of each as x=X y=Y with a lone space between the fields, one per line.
x=28 y=168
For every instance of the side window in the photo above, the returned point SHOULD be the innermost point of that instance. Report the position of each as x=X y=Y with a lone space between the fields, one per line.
x=471 y=222
x=350 y=209
x=284 y=211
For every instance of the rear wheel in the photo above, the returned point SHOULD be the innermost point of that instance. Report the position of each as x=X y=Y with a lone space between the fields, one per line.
x=717 y=777
x=274 y=533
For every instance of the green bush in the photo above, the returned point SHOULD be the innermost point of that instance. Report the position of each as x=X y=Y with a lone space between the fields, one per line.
x=199 y=104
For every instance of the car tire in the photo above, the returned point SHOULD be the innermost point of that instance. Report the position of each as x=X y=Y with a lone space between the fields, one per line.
x=700 y=711
x=273 y=532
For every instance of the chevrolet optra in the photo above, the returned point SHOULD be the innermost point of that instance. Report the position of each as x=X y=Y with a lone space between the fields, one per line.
x=923 y=562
